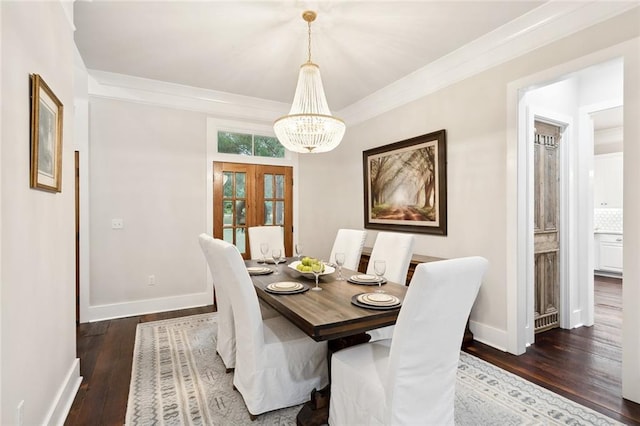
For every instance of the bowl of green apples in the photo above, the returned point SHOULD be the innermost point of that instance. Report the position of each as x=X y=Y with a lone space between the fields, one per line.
x=305 y=267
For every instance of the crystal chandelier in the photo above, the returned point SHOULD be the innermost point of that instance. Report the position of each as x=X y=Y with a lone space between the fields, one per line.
x=309 y=127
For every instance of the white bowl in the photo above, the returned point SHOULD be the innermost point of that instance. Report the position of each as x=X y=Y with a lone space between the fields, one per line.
x=327 y=270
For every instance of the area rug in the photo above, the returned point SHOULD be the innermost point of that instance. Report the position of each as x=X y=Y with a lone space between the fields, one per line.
x=177 y=379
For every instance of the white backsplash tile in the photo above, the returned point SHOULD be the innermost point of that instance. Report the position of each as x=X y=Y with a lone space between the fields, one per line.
x=607 y=220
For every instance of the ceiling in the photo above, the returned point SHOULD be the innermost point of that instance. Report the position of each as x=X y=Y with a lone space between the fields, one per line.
x=255 y=48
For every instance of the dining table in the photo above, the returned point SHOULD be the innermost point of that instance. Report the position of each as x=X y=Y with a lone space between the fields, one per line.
x=332 y=314
x=328 y=314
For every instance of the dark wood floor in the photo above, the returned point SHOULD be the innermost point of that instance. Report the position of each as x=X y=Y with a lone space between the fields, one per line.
x=582 y=365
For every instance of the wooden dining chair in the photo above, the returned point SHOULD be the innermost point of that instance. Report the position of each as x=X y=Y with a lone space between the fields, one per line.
x=396 y=250
x=272 y=235
x=411 y=378
x=350 y=242
x=277 y=365
x=226 y=334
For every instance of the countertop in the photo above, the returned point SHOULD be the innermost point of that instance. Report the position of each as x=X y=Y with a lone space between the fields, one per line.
x=604 y=231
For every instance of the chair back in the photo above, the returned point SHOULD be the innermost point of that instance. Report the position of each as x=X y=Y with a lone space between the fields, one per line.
x=349 y=242
x=396 y=250
x=226 y=336
x=244 y=303
x=272 y=235
x=425 y=349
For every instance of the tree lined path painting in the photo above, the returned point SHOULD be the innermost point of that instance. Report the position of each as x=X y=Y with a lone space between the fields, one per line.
x=403 y=184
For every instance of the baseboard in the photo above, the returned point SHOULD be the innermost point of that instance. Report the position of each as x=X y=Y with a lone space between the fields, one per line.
x=147 y=306
x=65 y=396
x=488 y=335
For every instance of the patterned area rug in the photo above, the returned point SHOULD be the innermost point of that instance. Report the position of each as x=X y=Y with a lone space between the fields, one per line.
x=178 y=379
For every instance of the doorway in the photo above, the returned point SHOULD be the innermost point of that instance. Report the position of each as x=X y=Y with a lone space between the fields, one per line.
x=567 y=99
x=246 y=195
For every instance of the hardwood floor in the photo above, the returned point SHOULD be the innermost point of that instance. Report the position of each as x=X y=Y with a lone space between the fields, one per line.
x=105 y=350
x=582 y=364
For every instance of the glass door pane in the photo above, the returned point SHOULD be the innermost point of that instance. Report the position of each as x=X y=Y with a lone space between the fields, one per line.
x=248 y=195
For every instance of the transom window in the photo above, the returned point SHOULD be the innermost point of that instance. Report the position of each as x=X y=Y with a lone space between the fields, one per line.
x=249 y=144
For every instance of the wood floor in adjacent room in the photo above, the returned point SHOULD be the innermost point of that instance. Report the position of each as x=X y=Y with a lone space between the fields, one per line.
x=582 y=364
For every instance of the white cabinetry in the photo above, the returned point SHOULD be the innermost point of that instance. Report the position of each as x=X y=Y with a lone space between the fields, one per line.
x=608 y=256
x=607 y=180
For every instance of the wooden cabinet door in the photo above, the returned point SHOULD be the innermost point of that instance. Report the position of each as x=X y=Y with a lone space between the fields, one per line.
x=246 y=195
x=607 y=180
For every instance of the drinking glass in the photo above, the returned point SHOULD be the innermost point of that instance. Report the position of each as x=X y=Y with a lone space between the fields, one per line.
x=379 y=267
x=340 y=261
x=264 y=249
x=299 y=251
x=317 y=268
x=276 y=254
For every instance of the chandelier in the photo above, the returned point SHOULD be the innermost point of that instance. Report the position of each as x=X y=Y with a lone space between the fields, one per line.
x=309 y=127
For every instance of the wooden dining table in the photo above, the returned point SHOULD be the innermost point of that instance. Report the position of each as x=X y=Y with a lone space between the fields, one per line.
x=326 y=315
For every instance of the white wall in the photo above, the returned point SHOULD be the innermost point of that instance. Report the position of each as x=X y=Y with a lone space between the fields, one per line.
x=147 y=167
x=631 y=289
x=39 y=365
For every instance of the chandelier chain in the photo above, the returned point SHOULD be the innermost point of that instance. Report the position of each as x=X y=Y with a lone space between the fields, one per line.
x=309 y=43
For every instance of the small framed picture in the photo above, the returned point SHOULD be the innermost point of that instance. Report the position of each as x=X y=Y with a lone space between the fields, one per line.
x=46 y=137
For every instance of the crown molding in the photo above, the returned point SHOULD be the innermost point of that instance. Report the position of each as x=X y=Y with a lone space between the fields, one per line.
x=153 y=92
x=550 y=22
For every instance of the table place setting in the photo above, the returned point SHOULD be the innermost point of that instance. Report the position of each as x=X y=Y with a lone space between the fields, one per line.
x=364 y=279
x=376 y=301
x=286 y=287
x=259 y=270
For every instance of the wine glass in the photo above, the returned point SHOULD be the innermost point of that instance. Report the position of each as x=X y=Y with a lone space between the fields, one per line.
x=379 y=267
x=299 y=251
x=317 y=267
x=340 y=261
x=276 y=254
x=264 y=249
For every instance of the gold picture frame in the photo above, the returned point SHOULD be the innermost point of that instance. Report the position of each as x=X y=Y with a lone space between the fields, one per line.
x=46 y=137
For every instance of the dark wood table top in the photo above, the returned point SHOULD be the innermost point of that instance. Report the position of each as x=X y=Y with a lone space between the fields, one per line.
x=327 y=314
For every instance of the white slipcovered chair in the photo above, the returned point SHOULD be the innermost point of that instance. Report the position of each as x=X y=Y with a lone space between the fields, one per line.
x=277 y=365
x=410 y=379
x=272 y=235
x=349 y=242
x=226 y=334
x=396 y=250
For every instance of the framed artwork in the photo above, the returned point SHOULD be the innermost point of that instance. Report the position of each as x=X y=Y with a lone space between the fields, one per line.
x=46 y=137
x=405 y=185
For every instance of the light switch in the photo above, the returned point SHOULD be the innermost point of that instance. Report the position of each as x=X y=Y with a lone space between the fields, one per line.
x=117 y=223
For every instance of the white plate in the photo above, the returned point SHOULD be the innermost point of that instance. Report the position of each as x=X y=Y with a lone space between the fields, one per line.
x=327 y=269
x=285 y=286
x=378 y=299
x=258 y=270
x=364 y=278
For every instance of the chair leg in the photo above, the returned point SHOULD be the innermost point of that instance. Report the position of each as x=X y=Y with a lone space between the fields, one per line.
x=229 y=370
x=252 y=417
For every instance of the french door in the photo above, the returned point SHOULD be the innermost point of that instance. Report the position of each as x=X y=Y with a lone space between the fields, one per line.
x=246 y=195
